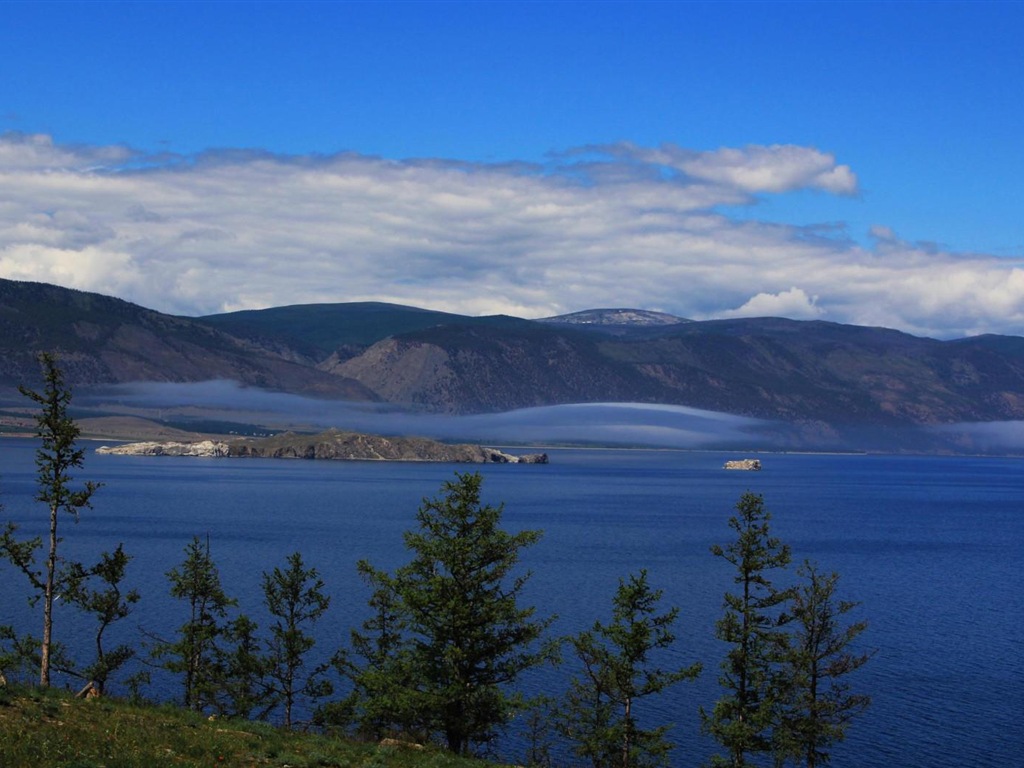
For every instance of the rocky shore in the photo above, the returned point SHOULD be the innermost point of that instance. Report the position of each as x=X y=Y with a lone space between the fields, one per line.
x=333 y=444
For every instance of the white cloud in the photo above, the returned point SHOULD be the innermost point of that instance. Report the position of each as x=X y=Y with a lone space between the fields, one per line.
x=883 y=233
x=753 y=169
x=794 y=303
x=607 y=226
x=33 y=151
x=773 y=169
x=102 y=270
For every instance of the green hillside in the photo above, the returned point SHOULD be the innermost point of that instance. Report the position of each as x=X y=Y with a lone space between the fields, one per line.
x=317 y=330
x=52 y=729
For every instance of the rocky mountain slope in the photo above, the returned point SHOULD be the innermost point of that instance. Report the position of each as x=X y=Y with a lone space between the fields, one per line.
x=795 y=371
x=104 y=340
x=615 y=321
x=769 y=368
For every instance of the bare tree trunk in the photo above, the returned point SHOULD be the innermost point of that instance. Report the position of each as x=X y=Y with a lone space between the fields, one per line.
x=289 y=697
x=627 y=720
x=51 y=567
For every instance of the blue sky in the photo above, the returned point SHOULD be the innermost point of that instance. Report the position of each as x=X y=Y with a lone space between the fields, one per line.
x=858 y=162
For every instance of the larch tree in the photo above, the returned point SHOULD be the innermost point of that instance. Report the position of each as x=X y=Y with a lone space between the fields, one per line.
x=195 y=654
x=295 y=599
x=56 y=458
x=377 y=666
x=600 y=713
x=743 y=719
x=239 y=668
x=108 y=603
x=818 y=703
x=466 y=639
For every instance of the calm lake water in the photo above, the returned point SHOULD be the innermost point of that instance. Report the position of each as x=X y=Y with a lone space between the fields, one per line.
x=931 y=547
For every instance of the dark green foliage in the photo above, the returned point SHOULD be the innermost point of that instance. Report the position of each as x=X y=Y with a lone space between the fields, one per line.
x=58 y=454
x=784 y=676
x=599 y=715
x=295 y=598
x=743 y=718
x=539 y=718
x=55 y=459
x=18 y=655
x=377 y=667
x=464 y=637
x=22 y=555
x=818 y=703
x=194 y=655
x=239 y=671
x=108 y=604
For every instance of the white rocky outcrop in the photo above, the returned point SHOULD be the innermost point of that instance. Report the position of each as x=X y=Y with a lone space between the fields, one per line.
x=203 y=448
x=747 y=464
x=494 y=456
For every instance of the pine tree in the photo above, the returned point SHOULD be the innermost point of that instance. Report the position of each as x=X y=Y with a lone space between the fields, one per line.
x=600 y=712
x=55 y=459
x=743 y=718
x=465 y=637
x=295 y=598
x=818 y=703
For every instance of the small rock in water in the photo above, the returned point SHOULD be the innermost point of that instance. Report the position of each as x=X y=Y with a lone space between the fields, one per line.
x=748 y=464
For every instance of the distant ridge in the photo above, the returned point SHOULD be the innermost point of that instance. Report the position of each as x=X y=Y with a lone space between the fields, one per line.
x=318 y=330
x=105 y=340
x=616 y=316
x=816 y=376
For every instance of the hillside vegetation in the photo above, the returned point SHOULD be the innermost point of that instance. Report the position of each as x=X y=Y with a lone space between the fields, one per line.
x=51 y=728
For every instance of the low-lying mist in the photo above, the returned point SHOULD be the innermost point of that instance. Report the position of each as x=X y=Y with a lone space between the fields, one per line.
x=198 y=405
x=619 y=424
x=988 y=437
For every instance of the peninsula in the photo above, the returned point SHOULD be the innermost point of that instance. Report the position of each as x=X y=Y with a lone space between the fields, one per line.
x=333 y=444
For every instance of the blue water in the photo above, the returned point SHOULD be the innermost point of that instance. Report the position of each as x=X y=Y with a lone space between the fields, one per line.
x=930 y=546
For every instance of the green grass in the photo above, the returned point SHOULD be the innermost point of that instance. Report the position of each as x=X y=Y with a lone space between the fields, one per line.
x=53 y=729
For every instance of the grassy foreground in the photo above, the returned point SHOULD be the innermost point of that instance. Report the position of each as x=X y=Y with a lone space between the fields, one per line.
x=52 y=729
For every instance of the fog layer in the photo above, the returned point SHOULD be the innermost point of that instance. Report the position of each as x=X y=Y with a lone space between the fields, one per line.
x=667 y=426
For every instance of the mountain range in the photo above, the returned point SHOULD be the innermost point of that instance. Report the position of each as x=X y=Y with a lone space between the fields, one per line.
x=798 y=372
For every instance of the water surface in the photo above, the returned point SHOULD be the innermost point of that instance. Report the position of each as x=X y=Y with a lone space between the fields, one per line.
x=930 y=546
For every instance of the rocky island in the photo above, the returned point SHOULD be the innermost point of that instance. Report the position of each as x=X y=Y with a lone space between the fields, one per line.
x=744 y=464
x=333 y=444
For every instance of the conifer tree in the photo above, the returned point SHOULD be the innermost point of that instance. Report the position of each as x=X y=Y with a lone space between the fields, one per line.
x=743 y=719
x=108 y=604
x=377 y=666
x=465 y=637
x=18 y=654
x=55 y=460
x=295 y=598
x=600 y=712
x=239 y=670
x=194 y=655
x=818 y=704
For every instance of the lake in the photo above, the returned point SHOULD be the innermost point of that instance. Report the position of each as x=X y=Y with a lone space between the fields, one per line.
x=931 y=547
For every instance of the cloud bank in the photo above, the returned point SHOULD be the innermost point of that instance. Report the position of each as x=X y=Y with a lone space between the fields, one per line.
x=629 y=424
x=612 y=225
